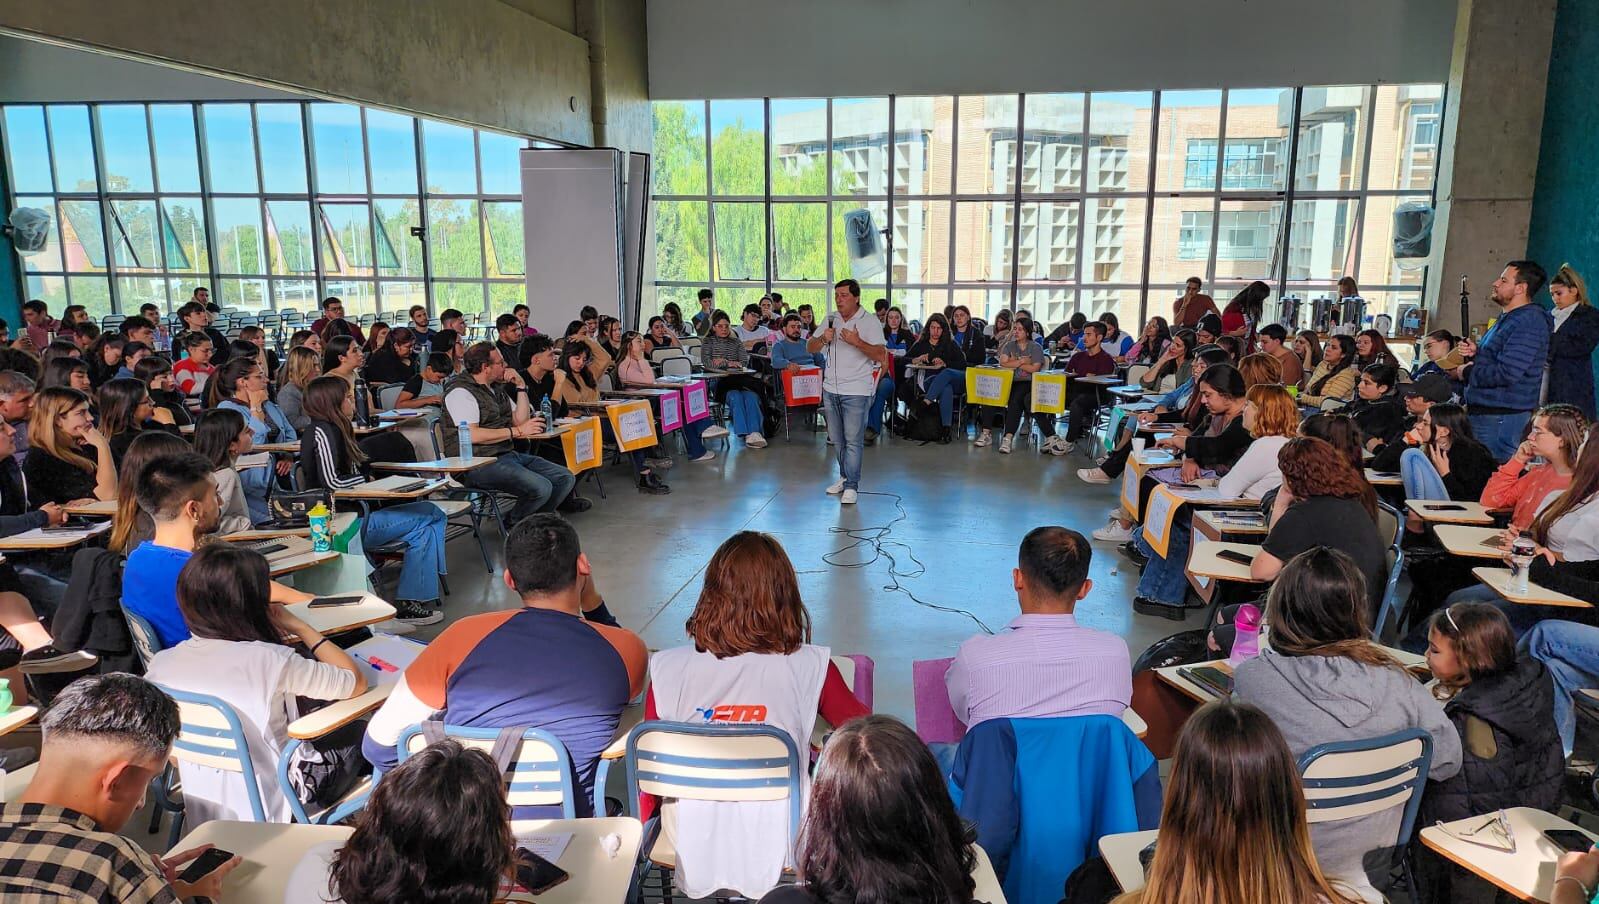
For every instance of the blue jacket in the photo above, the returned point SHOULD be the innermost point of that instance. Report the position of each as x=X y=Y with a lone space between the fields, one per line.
x=1507 y=372
x=1042 y=792
x=1571 y=360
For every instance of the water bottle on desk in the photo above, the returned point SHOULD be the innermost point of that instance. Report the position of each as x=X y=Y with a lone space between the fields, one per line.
x=363 y=402
x=547 y=411
x=464 y=430
x=321 y=531
x=1522 y=552
x=1246 y=642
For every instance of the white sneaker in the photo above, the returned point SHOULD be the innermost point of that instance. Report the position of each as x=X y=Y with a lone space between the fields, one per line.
x=1005 y=444
x=393 y=626
x=1061 y=447
x=848 y=498
x=714 y=432
x=1092 y=475
x=708 y=456
x=1114 y=532
x=836 y=487
x=755 y=441
x=984 y=438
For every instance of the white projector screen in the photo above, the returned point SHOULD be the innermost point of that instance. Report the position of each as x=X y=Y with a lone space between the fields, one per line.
x=572 y=230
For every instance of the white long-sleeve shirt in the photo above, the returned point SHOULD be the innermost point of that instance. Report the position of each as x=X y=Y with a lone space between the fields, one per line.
x=1256 y=472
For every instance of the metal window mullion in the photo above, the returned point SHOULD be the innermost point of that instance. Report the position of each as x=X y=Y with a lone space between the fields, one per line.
x=888 y=205
x=203 y=158
x=311 y=201
x=426 y=224
x=1288 y=196
x=160 y=208
x=104 y=198
x=482 y=225
x=827 y=173
x=766 y=195
x=1016 y=204
x=1216 y=180
x=1149 y=210
x=712 y=259
x=954 y=184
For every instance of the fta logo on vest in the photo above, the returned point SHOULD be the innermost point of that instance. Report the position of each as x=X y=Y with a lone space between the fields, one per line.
x=731 y=712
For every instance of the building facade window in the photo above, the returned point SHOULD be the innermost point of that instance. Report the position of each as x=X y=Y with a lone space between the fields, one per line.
x=271 y=205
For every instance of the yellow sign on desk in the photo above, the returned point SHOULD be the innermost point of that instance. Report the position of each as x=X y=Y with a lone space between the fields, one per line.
x=633 y=425
x=1049 y=393
x=1158 y=517
x=988 y=386
x=581 y=443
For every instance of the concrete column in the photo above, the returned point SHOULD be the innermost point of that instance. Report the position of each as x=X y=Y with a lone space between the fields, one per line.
x=1489 y=158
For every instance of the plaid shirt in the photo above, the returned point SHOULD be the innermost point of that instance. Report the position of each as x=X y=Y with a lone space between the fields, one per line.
x=52 y=854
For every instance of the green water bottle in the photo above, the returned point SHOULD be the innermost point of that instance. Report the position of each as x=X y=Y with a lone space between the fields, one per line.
x=5 y=695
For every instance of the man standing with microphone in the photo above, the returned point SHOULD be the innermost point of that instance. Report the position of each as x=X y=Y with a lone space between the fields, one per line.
x=853 y=339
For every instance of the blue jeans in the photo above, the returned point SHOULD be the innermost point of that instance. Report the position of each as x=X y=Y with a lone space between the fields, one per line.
x=942 y=389
x=539 y=485
x=846 y=429
x=1165 y=580
x=745 y=408
x=1419 y=477
x=1571 y=651
x=420 y=526
x=257 y=484
x=692 y=437
x=881 y=399
x=1501 y=433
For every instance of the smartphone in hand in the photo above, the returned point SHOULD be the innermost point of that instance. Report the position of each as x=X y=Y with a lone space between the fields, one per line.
x=203 y=865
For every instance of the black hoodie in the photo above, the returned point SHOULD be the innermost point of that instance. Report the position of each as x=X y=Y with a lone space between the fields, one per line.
x=1513 y=756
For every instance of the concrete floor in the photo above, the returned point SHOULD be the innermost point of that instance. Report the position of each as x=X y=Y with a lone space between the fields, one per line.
x=966 y=511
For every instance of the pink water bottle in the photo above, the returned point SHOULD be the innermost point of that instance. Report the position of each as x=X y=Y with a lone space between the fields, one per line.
x=1246 y=642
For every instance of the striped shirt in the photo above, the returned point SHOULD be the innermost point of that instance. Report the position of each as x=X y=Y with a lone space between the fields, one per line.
x=52 y=854
x=1040 y=666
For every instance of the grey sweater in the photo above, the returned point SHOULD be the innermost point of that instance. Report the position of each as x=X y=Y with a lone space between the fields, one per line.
x=1319 y=699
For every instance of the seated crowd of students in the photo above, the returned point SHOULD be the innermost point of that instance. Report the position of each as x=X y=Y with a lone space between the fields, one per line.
x=886 y=816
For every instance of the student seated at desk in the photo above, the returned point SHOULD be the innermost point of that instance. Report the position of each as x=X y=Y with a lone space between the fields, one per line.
x=1519 y=485
x=105 y=738
x=191 y=373
x=935 y=348
x=68 y=372
x=1174 y=360
x=634 y=371
x=790 y=350
x=575 y=384
x=304 y=364
x=155 y=372
x=1503 y=708
x=69 y=459
x=1438 y=458
x=543 y=665
x=1322 y=680
x=427 y=387
x=1377 y=409
x=751 y=646
x=437 y=828
x=221 y=437
x=241 y=385
x=660 y=335
x=179 y=495
x=333 y=461
x=1182 y=406
x=897 y=338
x=883 y=826
x=1090 y=360
x=1334 y=377
x=236 y=652
x=1271 y=417
x=741 y=393
x=126 y=410
x=1233 y=826
x=1024 y=357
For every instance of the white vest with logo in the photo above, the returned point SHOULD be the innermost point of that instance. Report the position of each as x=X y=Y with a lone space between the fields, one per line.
x=744 y=845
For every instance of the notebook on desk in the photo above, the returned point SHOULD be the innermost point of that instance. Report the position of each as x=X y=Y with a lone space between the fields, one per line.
x=398 y=483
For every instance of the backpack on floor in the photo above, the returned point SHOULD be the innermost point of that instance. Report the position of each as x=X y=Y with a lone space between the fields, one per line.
x=1182 y=648
x=921 y=425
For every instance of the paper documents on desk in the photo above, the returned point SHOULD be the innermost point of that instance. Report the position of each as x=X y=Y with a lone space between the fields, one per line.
x=1203 y=494
x=40 y=535
x=395 y=651
x=391 y=484
x=549 y=845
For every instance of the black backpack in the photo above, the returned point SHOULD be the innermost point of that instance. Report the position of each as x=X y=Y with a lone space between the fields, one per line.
x=1182 y=648
x=921 y=425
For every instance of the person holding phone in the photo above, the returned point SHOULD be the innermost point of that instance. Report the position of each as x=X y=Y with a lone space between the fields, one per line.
x=437 y=828
x=105 y=738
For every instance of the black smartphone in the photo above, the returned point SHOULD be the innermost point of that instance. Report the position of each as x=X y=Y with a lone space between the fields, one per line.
x=323 y=602
x=1569 y=840
x=1385 y=473
x=271 y=548
x=536 y=874
x=1233 y=555
x=1146 y=856
x=408 y=487
x=201 y=866
x=1183 y=486
x=1217 y=681
x=1444 y=508
x=72 y=523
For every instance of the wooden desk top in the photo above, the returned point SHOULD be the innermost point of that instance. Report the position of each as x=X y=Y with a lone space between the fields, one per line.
x=1528 y=872
x=105 y=508
x=1468 y=540
x=301 y=562
x=1218 y=522
x=341 y=523
x=453 y=465
x=1470 y=513
x=1499 y=580
x=1121 y=855
x=42 y=539
x=1202 y=561
x=368 y=491
x=336 y=619
x=1383 y=478
x=278 y=448
x=16 y=717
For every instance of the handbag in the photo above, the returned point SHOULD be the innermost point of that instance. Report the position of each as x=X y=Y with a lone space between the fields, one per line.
x=292 y=509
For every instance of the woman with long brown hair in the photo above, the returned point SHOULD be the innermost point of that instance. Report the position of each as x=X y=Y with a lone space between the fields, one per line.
x=1233 y=827
x=751 y=660
x=1323 y=501
x=68 y=459
x=1521 y=484
x=1323 y=679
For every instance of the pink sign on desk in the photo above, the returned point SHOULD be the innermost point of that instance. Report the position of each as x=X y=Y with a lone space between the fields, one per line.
x=696 y=404
x=936 y=722
x=671 y=411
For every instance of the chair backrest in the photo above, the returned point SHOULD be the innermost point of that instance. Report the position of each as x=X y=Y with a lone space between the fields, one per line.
x=1332 y=404
x=539 y=775
x=1388 y=608
x=1350 y=779
x=211 y=735
x=1136 y=372
x=389 y=395
x=661 y=354
x=677 y=367
x=714 y=762
x=1390 y=524
x=146 y=643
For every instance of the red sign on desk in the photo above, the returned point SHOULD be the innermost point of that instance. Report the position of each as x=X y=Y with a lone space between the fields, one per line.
x=802 y=387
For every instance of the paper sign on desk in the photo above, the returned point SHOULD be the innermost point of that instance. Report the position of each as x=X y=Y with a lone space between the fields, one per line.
x=633 y=425
x=988 y=386
x=581 y=443
x=386 y=657
x=696 y=406
x=802 y=387
x=1049 y=393
x=1130 y=478
x=671 y=412
x=1164 y=504
x=549 y=845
